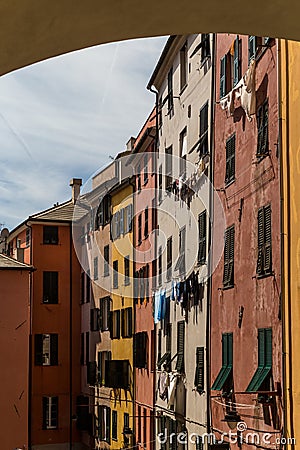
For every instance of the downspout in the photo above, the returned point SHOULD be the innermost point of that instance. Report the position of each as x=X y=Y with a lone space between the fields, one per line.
x=210 y=245
x=30 y=342
x=150 y=88
x=285 y=205
x=71 y=343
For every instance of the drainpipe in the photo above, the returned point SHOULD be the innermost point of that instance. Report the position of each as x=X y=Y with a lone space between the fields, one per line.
x=285 y=290
x=30 y=342
x=71 y=343
x=210 y=241
x=150 y=88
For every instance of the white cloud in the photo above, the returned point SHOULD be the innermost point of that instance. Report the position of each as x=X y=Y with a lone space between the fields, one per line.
x=63 y=117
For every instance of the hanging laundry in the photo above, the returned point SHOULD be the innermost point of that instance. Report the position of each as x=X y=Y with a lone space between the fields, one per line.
x=157 y=305
x=172 y=389
x=163 y=385
x=162 y=304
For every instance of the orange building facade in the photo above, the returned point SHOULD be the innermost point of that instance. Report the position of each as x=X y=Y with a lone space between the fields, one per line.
x=45 y=241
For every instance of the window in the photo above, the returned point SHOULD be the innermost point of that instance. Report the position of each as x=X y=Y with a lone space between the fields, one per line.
x=228 y=274
x=82 y=349
x=169 y=258
x=87 y=347
x=50 y=234
x=205 y=46
x=139 y=182
x=115 y=226
x=139 y=229
x=224 y=378
x=95 y=319
x=183 y=152
x=103 y=212
x=261 y=377
x=145 y=428
x=145 y=168
x=91 y=368
x=82 y=287
x=115 y=274
x=166 y=357
x=168 y=164
x=102 y=357
x=121 y=216
x=103 y=423
x=115 y=324
x=126 y=326
x=82 y=413
x=88 y=287
x=264 y=241
x=202 y=238
x=28 y=236
x=159 y=265
x=160 y=184
x=170 y=93
x=104 y=313
x=159 y=345
x=203 y=145
x=140 y=350
x=146 y=225
x=237 y=61
x=96 y=268
x=230 y=68
x=114 y=429
x=128 y=218
x=199 y=373
x=180 y=346
x=50 y=413
x=106 y=261
x=50 y=287
x=46 y=350
x=180 y=264
x=117 y=373
x=126 y=271
x=230 y=160
x=183 y=67
x=256 y=45
x=262 y=129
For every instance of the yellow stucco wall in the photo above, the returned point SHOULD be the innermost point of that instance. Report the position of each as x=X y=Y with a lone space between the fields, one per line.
x=289 y=73
x=122 y=297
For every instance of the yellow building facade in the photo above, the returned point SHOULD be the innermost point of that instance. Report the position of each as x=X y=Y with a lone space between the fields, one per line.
x=122 y=320
x=289 y=114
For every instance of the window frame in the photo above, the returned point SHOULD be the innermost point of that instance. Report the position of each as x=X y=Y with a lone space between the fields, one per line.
x=53 y=235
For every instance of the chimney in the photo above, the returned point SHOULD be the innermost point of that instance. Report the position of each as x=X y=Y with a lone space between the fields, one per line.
x=130 y=144
x=75 y=184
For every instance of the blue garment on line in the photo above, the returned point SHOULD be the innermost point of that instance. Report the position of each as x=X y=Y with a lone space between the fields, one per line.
x=163 y=304
x=157 y=307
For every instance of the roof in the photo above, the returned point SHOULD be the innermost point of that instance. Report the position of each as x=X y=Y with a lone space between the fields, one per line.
x=163 y=55
x=62 y=212
x=12 y=264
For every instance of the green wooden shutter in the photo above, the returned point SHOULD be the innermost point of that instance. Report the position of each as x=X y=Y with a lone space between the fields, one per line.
x=118 y=314
x=180 y=346
x=53 y=349
x=252 y=44
x=261 y=348
x=230 y=349
x=231 y=257
x=108 y=429
x=99 y=374
x=38 y=349
x=268 y=348
x=260 y=241
x=236 y=61
x=129 y=318
x=45 y=402
x=265 y=125
x=224 y=349
x=268 y=239
x=203 y=147
x=226 y=258
x=223 y=76
x=230 y=159
x=202 y=238
x=199 y=375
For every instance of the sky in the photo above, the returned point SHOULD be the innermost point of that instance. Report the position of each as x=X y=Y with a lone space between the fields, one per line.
x=62 y=119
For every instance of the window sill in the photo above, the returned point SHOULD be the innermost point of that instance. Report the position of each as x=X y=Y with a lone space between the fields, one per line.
x=229 y=183
x=265 y=275
x=183 y=89
x=226 y=288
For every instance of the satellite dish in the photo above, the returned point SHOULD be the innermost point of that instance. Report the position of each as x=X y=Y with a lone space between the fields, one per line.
x=4 y=233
